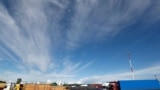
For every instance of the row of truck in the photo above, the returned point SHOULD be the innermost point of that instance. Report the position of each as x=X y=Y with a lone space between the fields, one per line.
x=113 y=85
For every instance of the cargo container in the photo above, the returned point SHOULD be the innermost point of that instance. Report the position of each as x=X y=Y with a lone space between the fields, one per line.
x=135 y=85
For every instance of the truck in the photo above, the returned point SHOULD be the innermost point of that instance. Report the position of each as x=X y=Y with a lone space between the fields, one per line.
x=134 y=85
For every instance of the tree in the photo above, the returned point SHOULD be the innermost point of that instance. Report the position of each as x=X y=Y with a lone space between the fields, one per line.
x=54 y=84
x=19 y=80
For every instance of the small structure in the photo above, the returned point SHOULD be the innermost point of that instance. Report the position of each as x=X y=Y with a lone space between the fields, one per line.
x=2 y=85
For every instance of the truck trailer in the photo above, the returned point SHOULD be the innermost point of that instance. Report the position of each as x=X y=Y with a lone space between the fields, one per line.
x=134 y=85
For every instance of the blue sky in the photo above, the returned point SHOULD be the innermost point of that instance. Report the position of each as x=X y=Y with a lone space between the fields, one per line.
x=79 y=41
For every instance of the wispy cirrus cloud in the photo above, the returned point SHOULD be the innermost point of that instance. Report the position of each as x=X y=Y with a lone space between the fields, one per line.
x=69 y=67
x=30 y=44
x=95 y=21
x=31 y=32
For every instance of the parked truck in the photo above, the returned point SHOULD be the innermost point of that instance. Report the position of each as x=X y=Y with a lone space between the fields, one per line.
x=134 y=85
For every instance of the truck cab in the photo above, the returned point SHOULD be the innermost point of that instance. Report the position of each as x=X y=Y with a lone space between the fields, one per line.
x=114 y=85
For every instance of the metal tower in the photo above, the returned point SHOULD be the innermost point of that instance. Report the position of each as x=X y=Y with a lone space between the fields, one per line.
x=131 y=67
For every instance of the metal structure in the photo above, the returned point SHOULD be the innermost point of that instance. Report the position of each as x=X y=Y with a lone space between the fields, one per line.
x=131 y=67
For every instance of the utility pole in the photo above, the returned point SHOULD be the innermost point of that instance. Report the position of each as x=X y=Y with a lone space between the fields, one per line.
x=131 y=67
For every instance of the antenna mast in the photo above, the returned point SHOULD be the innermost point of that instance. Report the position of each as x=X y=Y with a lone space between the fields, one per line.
x=131 y=67
x=156 y=77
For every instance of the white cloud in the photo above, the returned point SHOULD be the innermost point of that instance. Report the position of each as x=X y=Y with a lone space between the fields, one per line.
x=32 y=50
x=25 y=33
x=147 y=73
x=33 y=29
x=69 y=67
x=34 y=76
x=1 y=59
x=57 y=2
x=95 y=21
x=30 y=32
